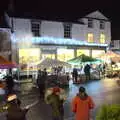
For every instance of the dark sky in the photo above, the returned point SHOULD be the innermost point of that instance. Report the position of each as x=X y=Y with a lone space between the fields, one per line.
x=68 y=10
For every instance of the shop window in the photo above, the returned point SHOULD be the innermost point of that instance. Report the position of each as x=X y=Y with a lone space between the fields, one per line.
x=35 y=28
x=85 y=52
x=90 y=23
x=67 y=30
x=102 y=38
x=102 y=25
x=65 y=54
x=90 y=38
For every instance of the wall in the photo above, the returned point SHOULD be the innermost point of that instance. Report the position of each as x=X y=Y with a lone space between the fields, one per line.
x=97 y=31
x=52 y=29
x=116 y=44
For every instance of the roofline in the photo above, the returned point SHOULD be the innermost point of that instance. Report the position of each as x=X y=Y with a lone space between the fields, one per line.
x=98 y=19
x=75 y=22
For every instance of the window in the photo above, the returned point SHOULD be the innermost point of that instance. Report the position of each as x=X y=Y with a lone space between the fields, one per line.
x=90 y=38
x=67 y=30
x=102 y=38
x=35 y=29
x=90 y=23
x=102 y=25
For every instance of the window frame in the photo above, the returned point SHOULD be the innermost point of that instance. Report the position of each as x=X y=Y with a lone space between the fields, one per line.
x=89 y=39
x=102 y=38
x=67 y=30
x=90 y=23
x=102 y=24
x=35 y=29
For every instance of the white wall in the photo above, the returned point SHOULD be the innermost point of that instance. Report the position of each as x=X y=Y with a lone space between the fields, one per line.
x=97 y=31
x=22 y=29
x=52 y=29
x=78 y=32
x=116 y=44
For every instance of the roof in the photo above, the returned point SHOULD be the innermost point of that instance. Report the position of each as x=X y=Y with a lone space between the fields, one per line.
x=28 y=15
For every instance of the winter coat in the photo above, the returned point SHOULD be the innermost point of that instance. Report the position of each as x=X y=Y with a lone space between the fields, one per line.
x=16 y=113
x=81 y=106
x=56 y=104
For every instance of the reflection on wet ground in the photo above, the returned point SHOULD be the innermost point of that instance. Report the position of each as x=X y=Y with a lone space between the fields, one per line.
x=104 y=91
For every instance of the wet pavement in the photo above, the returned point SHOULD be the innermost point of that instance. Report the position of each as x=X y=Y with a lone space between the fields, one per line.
x=104 y=91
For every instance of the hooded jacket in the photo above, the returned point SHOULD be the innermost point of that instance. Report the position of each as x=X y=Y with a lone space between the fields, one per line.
x=81 y=105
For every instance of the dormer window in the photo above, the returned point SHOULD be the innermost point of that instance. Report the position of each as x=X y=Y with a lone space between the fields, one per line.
x=90 y=23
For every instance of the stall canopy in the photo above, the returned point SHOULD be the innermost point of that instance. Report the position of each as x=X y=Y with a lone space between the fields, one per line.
x=83 y=59
x=110 y=56
x=5 y=64
x=46 y=63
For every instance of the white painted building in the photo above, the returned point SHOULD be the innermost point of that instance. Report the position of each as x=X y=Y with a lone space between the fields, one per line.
x=115 y=45
x=35 y=39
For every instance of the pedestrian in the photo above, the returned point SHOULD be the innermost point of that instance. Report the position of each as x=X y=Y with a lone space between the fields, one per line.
x=41 y=81
x=82 y=104
x=57 y=104
x=87 y=72
x=9 y=84
x=2 y=92
x=14 y=110
x=75 y=75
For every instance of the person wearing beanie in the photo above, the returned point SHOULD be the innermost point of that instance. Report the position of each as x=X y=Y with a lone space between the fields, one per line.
x=82 y=104
x=56 y=104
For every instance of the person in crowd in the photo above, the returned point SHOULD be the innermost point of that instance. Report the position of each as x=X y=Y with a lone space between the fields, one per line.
x=75 y=75
x=87 y=71
x=39 y=73
x=82 y=104
x=57 y=104
x=41 y=81
x=14 y=110
x=44 y=72
x=2 y=92
x=9 y=84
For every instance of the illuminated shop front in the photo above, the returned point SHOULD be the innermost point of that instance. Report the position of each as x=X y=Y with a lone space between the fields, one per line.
x=28 y=56
x=61 y=49
x=65 y=54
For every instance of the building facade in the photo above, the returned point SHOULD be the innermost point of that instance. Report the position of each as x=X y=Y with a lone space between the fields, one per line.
x=34 y=39
x=115 y=45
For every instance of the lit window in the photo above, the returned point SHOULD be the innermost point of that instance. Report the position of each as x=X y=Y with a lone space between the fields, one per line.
x=102 y=38
x=102 y=25
x=67 y=30
x=90 y=38
x=35 y=28
x=90 y=23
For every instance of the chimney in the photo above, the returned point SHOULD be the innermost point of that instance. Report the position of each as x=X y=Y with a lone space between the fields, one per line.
x=11 y=6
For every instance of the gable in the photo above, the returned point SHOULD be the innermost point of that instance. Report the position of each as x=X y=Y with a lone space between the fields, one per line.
x=97 y=15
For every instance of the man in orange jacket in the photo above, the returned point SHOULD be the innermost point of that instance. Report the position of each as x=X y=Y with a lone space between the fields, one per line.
x=81 y=105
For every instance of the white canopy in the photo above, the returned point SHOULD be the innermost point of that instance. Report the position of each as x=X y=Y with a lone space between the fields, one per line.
x=110 y=55
x=46 y=63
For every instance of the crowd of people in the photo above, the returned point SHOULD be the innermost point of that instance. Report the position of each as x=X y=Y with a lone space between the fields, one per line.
x=81 y=103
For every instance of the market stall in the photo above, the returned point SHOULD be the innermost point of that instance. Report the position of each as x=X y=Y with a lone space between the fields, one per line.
x=56 y=76
x=81 y=61
x=47 y=63
x=5 y=65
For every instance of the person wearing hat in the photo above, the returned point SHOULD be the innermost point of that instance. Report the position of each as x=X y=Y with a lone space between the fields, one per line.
x=14 y=110
x=82 y=104
x=57 y=104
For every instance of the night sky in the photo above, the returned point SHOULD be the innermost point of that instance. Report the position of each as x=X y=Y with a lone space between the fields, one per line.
x=67 y=10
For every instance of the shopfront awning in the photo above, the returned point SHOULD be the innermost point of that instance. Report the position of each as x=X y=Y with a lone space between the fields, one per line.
x=64 y=41
x=5 y=64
